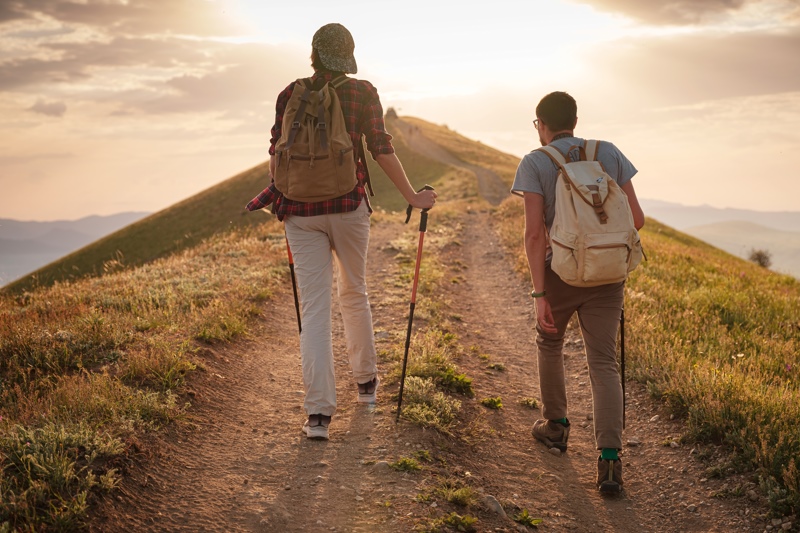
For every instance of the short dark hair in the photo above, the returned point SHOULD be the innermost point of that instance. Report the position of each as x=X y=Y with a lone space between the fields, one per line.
x=316 y=63
x=558 y=110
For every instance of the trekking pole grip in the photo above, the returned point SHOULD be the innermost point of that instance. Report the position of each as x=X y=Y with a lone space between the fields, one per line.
x=423 y=222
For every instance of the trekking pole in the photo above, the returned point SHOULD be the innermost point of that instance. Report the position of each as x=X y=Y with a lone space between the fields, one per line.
x=294 y=286
x=423 y=226
x=622 y=360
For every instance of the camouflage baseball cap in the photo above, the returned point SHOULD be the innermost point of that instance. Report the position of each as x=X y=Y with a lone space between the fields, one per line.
x=335 y=46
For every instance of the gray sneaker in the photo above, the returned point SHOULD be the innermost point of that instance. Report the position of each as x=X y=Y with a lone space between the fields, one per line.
x=609 y=476
x=553 y=434
x=368 y=392
x=316 y=427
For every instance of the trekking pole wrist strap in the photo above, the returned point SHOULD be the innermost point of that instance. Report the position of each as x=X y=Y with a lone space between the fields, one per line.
x=535 y=294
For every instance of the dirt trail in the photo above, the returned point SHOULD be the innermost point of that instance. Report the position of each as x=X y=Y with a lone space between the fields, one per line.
x=243 y=464
x=665 y=486
x=490 y=186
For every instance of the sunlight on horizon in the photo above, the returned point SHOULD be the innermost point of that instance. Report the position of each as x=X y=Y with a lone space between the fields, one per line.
x=527 y=39
x=189 y=87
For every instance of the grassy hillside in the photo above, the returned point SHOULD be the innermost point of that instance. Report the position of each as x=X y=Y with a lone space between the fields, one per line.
x=469 y=151
x=86 y=365
x=217 y=209
x=181 y=226
x=716 y=338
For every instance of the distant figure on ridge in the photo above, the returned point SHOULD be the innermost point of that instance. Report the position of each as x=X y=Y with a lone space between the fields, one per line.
x=319 y=189
x=545 y=183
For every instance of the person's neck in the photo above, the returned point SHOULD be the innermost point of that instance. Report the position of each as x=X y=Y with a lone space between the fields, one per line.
x=561 y=135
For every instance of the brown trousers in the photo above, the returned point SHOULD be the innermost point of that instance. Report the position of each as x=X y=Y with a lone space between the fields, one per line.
x=599 y=310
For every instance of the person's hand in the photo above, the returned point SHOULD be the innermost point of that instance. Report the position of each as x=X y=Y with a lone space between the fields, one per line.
x=424 y=199
x=544 y=316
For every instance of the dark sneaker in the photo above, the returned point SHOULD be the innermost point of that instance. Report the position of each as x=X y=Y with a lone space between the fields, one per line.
x=609 y=475
x=367 y=392
x=316 y=427
x=553 y=434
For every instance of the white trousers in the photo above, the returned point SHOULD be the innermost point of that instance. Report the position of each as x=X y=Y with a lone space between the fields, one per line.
x=315 y=242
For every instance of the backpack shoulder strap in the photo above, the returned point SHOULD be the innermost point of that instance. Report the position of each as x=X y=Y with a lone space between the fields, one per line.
x=591 y=150
x=339 y=81
x=305 y=85
x=362 y=155
x=557 y=157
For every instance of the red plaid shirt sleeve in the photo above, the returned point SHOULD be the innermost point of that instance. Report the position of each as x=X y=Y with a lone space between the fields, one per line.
x=363 y=114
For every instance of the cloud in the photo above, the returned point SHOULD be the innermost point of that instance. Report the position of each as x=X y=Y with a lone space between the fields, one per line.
x=77 y=61
x=675 y=11
x=242 y=80
x=134 y=17
x=11 y=10
x=51 y=109
x=684 y=69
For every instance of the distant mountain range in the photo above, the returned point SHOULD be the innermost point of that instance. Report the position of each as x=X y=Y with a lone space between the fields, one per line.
x=737 y=231
x=27 y=245
x=682 y=217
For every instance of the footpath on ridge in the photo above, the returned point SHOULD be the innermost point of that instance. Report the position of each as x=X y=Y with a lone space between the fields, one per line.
x=240 y=463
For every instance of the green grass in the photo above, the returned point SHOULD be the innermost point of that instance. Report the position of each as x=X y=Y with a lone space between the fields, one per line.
x=87 y=366
x=716 y=338
x=457 y=492
x=179 y=227
x=524 y=518
x=492 y=402
x=406 y=464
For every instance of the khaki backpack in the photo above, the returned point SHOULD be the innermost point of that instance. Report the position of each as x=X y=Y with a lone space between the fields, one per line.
x=315 y=154
x=593 y=238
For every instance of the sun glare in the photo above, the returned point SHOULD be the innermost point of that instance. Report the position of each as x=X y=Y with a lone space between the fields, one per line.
x=423 y=43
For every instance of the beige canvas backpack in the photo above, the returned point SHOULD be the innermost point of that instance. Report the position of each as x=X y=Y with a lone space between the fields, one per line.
x=593 y=237
x=315 y=154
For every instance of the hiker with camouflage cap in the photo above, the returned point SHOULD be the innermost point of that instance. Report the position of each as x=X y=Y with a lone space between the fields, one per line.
x=336 y=231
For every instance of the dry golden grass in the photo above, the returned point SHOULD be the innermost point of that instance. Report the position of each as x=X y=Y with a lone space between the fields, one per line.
x=85 y=366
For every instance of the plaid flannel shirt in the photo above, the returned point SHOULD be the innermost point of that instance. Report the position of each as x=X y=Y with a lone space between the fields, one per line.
x=363 y=114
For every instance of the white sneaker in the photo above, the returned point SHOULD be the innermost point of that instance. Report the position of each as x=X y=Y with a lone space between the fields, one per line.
x=316 y=427
x=368 y=392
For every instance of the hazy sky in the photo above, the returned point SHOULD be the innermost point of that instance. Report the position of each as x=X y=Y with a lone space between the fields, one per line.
x=133 y=105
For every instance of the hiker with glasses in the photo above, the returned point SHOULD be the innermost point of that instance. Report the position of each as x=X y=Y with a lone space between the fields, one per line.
x=566 y=191
x=318 y=189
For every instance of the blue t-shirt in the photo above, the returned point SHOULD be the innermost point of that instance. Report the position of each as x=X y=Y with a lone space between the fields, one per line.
x=537 y=173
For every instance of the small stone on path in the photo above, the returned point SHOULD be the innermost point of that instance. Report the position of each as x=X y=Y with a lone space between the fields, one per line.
x=495 y=506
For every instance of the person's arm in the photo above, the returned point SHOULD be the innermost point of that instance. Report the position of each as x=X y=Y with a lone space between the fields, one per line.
x=536 y=250
x=394 y=169
x=636 y=209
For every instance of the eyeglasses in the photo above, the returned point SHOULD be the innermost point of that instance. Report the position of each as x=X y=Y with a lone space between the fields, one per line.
x=536 y=123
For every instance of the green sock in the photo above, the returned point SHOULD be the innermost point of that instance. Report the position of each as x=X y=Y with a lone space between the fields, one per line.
x=562 y=421
x=609 y=454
